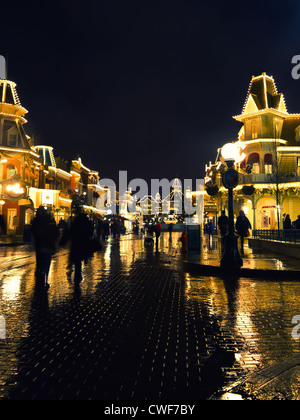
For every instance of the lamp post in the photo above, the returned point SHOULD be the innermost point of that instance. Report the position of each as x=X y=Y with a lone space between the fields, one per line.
x=231 y=256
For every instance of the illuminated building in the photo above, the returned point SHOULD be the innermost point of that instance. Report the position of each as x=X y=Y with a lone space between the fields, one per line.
x=269 y=174
x=32 y=176
x=19 y=163
x=61 y=180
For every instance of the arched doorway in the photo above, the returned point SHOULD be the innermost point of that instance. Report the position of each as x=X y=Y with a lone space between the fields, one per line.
x=266 y=213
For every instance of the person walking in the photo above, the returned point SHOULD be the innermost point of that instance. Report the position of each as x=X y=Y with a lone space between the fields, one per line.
x=46 y=234
x=170 y=229
x=210 y=231
x=80 y=234
x=243 y=227
x=157 y=231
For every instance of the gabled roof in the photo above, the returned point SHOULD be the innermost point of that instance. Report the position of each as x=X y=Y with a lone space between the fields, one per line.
x=8 y=93
x=262 y=95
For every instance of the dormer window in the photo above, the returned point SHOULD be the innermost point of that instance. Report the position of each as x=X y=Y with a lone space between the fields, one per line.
x=11 y=136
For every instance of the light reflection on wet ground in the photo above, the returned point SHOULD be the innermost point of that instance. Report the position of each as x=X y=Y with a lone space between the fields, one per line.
x=152 y=326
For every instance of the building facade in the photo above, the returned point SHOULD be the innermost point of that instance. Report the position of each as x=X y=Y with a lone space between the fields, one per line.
x=31 y=176
x=269 y=174
x=19 y=163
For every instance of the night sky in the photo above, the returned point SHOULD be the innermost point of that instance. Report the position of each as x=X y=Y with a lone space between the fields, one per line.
x=145 y=86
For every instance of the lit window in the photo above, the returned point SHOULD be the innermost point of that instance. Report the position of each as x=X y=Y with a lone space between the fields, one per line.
x=254 y=131
x=255 y=169
x=268 y=169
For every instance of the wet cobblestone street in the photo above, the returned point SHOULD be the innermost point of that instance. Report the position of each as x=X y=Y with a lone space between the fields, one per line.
x=139 y=328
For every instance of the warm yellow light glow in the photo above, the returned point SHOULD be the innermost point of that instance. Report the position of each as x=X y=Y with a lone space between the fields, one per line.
x=230 y=151
x=9 y=149
x=15 y=189
x=289 y=149
x=265 y=141
x=245 y=210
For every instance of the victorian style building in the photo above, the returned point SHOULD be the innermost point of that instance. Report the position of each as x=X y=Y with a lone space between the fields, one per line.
x=269 y=175
x=19 y=162
x=31 y=176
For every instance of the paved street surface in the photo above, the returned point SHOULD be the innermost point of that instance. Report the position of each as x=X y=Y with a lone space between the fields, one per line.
x=139 y=328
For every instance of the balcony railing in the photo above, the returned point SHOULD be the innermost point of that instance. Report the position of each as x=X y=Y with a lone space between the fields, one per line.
x=286 y=235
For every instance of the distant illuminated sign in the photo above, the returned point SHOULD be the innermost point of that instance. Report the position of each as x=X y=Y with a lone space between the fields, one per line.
x=47 y=198
x=15 y=192
x=15 y=189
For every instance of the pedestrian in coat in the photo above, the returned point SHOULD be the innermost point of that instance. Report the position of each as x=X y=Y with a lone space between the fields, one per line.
x=80 y=234
x=45 y=234
x=287 y=223
x=223 y=223
x=243 y=227
x=296 y=223
x=157 y=231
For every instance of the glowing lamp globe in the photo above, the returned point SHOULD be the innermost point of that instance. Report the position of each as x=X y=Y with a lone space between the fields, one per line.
x=230 y=151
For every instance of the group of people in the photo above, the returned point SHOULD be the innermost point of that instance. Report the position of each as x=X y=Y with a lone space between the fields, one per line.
x=104 y=229
x=288 y=224
x=48 y=236
x=242 y=226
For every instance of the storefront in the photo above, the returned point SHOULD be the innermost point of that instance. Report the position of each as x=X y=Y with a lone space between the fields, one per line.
x=14 y=204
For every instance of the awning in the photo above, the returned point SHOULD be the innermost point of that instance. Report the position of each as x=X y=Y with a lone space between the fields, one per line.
x=253 y=158
x=268 y=159
x=26 y=202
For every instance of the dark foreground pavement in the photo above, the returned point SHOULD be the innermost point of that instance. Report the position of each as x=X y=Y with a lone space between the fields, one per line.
x=140 y=327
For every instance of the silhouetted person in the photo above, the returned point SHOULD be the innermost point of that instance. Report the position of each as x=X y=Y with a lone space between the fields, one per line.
x=287 y=223
x=223 y=223
x=170 y=229
x=80 y=233
x=105 y=231
x=157 y=231
x=210 y=231
x=296 y=223
x=45 y=234
x=99 y=229
x=115 y=229
x=242 y=227
x=2 y=225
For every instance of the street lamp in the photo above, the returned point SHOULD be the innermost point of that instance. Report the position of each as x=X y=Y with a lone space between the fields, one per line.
x=231 y=153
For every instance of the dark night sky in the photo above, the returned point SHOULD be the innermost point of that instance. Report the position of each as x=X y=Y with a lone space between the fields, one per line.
x=145 y=86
